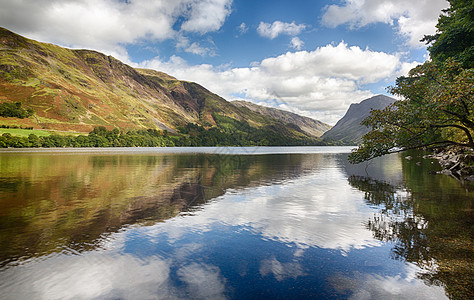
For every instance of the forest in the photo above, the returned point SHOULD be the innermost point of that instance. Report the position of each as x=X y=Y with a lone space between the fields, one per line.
x=192 y=135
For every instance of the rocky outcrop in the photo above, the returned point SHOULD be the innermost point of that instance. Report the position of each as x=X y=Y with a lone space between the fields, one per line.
x=458 y=163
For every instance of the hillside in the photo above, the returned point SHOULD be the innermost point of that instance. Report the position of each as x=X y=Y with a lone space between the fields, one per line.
x=77 y=90
x=348 y=129
x=308 y=125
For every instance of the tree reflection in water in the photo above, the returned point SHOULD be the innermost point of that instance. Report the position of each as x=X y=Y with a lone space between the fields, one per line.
x=430 y=229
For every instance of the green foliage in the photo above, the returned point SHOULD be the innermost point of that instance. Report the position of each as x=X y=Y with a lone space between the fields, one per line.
x=455 y=36
x=232 y=132
x=99 y=137
x=229 y=132
x=437 y=109
x=14 y=110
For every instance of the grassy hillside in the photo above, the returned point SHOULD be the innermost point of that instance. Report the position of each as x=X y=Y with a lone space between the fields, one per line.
x=78 y=90
x=307 y=125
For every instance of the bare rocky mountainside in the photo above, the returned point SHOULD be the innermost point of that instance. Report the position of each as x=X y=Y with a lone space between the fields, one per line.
x=77 y=90
x=348 y=130
x=308 y=125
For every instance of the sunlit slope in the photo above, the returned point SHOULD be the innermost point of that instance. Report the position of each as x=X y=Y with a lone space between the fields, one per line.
x=76 y=90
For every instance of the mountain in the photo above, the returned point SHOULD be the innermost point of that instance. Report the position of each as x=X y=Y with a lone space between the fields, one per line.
x=77 y=90
x=308 y=125
x=348 y=129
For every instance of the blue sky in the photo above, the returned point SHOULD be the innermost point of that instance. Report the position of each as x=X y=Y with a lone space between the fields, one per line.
x=307 y=56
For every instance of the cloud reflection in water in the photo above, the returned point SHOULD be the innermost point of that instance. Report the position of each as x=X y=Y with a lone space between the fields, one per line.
x=185 y=257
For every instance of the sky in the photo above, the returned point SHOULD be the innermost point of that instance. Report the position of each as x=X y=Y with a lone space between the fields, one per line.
x=310 y=57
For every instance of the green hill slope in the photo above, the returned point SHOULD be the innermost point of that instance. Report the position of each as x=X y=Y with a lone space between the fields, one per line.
x=77 y=90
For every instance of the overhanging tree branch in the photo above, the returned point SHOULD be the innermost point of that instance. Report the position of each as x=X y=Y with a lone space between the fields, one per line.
x=466 y=131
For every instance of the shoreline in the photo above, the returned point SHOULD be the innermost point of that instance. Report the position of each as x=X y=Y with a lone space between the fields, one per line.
x=457 y=163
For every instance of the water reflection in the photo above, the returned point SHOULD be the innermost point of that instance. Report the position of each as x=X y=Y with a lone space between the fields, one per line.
x=281 y=271
x=368 y=286
x=52 y=202
x=204 y=227
x=429 y=220
x=314 y=210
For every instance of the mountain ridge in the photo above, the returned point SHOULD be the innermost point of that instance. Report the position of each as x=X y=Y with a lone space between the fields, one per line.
x=308 y=125
x=348 y=129
x=78 y=90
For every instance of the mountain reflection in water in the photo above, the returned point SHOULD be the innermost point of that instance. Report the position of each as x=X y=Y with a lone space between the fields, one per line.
x=242 y=225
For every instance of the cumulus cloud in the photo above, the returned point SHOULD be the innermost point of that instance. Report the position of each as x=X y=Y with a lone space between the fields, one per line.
x=107 y=25
x=183 y=43
x=413 y=19
x=277 y=28
x=321 y=83
x=206 y=16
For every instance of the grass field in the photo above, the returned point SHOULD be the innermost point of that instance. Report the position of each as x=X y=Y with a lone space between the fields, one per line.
x=24 y=132
x=27 y=132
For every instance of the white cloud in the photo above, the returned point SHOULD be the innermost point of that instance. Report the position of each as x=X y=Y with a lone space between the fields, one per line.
x=415 y=18
x=277 y=28
x=195 y=48
x=183 y=43
x=107 y=25
x=405 y=68
x=296 y=43
x=243 y=28
x=207 y=15
x=321 y=83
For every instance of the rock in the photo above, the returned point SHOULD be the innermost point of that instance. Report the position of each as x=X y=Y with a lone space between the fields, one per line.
x=455 y=166
x=445 y=172
x=458 y=163
x=467 y=171
x=409 y=157
x=418 y=163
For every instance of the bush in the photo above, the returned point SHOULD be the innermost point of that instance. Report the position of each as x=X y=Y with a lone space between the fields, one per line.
x=14 y=110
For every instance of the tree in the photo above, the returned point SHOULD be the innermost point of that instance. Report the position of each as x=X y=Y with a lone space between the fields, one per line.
x=437 y=109
x=14 y=110
x=455 y=35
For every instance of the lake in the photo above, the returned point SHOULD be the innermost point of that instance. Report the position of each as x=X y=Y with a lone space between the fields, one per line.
x=231 y=223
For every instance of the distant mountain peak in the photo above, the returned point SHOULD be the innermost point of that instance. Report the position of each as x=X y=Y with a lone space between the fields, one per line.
x=348 y=129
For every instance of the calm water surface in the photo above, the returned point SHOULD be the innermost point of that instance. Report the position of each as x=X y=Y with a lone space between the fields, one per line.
x=230 y=223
